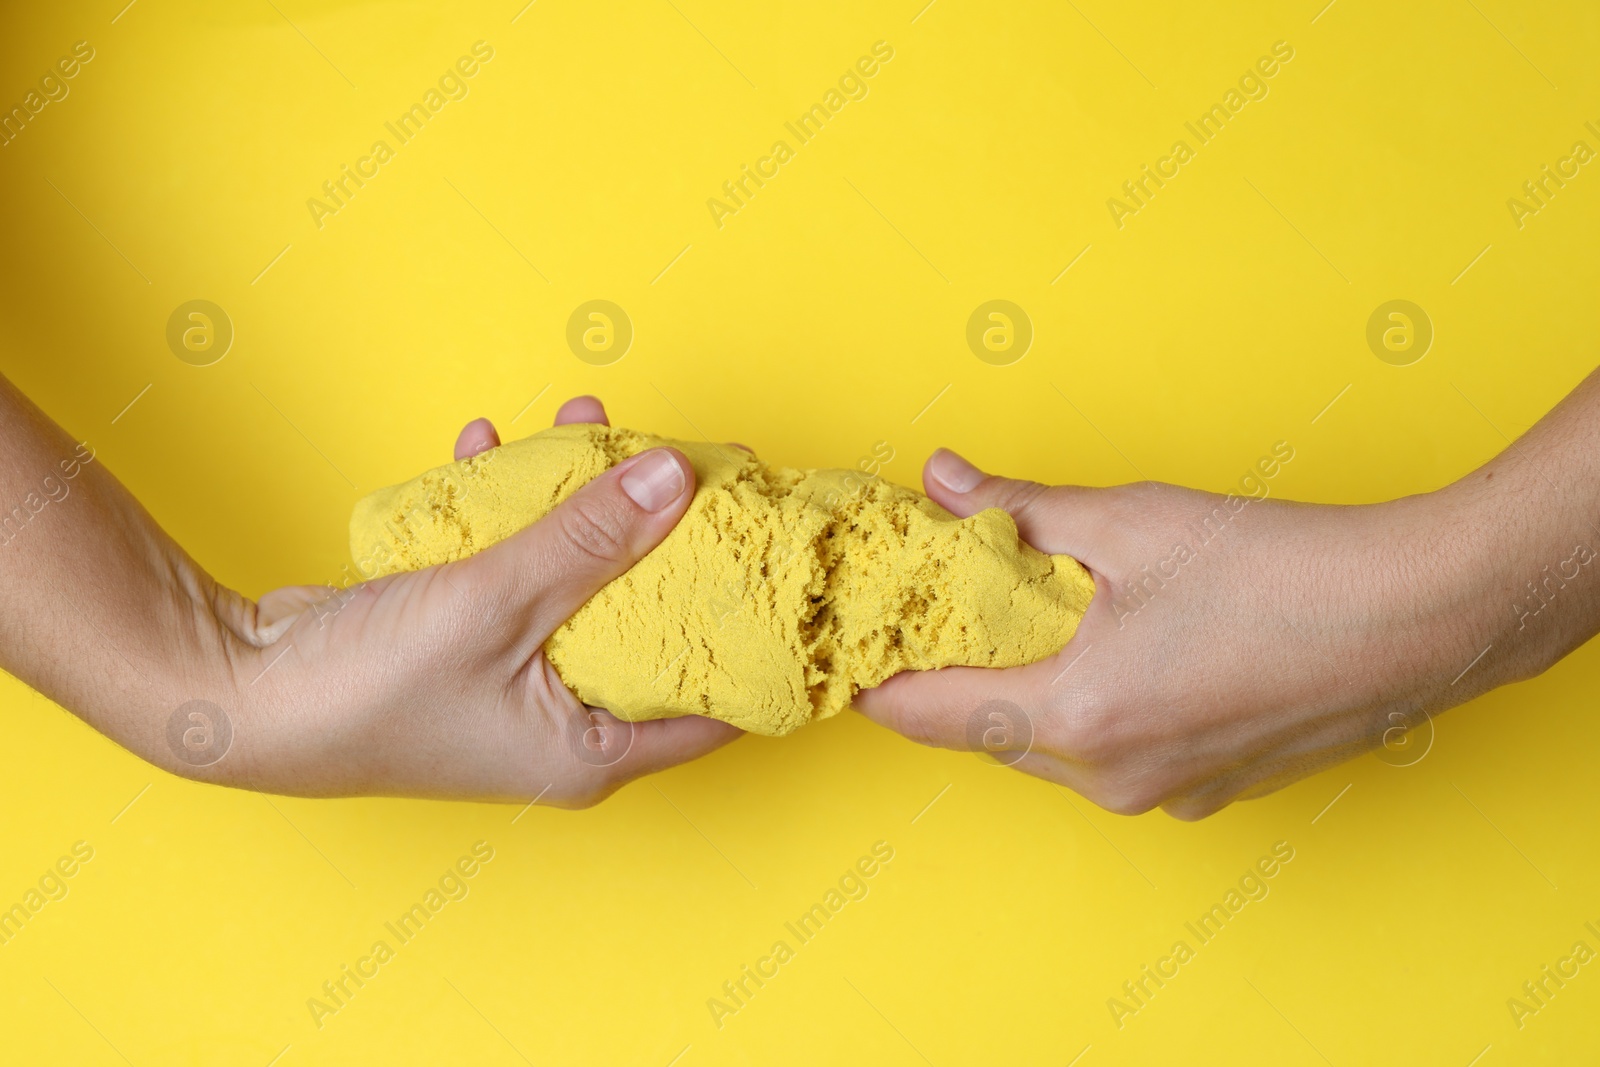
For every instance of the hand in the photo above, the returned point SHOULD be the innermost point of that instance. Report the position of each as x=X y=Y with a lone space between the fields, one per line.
x=434 y=683
x=1280 y=639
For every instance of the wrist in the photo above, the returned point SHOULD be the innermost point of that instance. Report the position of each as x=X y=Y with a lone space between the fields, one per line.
x=1520 y=553
x=1416 y=587
x=194 y=727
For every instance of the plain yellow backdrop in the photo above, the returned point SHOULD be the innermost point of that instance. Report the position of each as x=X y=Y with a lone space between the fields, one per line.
x=827 y=315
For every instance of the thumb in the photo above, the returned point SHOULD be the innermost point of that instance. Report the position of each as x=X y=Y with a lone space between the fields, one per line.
x=634 y=749
x=551 y=569
x=1059 y=520
x=956 y=707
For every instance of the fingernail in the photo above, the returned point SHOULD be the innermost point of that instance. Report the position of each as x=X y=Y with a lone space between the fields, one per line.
x=654 y=481
x=953 y=472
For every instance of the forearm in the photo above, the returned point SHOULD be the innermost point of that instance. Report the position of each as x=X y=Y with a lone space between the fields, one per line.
x=105 y=614
x=1531 y=530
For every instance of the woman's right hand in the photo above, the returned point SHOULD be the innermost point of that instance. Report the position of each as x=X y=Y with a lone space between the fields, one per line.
x=434 y=683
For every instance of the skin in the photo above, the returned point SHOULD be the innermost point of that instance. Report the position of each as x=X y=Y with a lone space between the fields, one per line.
x=427 y=684
x=1299 y=637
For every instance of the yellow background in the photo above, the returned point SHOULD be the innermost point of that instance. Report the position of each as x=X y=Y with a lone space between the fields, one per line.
x=818 y=321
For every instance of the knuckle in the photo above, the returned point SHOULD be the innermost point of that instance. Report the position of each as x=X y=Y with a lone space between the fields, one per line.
x=600 y=782
x=601 y=742
x=1145 y=490
x=1090 y=731
x=1015 y=496
x=1133 y=796
x=910 y=725
x=459 y=596
x=1133 y=504
x=584 y=787
x=920 y=725
x=595 y=530
x=1194 y=810
x=571 y=800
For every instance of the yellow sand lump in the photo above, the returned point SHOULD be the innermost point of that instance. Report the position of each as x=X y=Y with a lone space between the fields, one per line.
x=779 y=596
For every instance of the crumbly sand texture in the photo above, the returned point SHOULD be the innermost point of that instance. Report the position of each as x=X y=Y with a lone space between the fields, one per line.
x=780 y=595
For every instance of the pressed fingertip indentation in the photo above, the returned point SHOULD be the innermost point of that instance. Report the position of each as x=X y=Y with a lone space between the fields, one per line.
x=655 y=481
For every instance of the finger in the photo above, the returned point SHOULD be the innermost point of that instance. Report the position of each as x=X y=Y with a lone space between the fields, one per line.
x=1266 y=777
x=954 y=707
x=549 y=570
x=1193 y=807
x=582 y=409
x=477 y=436
x=662 y=743
x=1065 y=776
x=1060 y=520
